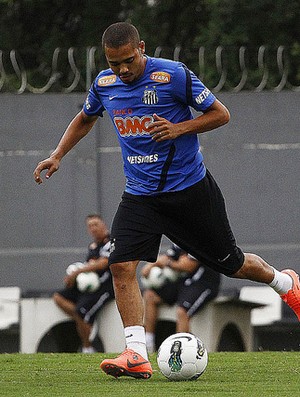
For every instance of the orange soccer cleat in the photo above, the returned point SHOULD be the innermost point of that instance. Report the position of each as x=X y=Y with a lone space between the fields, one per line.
x=129 y=363
x=292 y=297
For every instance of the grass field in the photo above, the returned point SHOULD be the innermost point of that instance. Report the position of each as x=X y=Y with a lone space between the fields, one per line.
x=262 y=374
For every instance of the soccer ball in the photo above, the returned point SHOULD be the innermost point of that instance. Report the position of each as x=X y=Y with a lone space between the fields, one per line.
x=74 y=266
x=158 y=277
x=182 y=356
x=86 y=281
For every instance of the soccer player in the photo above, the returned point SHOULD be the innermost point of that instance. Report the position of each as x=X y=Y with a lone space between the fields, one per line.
x=193 y=286
x=83 y=307
x=168 y=189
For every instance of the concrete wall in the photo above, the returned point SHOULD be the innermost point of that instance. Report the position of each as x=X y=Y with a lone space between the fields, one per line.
x=255 y=159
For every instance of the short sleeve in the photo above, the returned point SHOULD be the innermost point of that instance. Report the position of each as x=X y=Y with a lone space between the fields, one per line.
x=190 y=90
x=93 y=105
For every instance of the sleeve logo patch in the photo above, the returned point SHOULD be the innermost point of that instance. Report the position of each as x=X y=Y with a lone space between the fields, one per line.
x=202 y=96
x=160 y=77
x=107 y=80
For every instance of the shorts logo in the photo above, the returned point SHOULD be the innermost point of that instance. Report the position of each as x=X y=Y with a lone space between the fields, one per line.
x=112 y=245
x=224 y=259
x=160 y=77
x=107 y=80
x=150 y=97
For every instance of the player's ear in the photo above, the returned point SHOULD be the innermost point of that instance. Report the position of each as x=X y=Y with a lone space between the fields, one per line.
x=142 y=47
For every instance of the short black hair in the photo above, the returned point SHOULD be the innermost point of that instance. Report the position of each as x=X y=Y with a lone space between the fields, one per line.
x=90 y=216
x=119 y=34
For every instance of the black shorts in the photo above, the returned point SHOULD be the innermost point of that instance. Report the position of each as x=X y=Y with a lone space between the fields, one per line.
x=194 y=218
x=190 y=296
x=88 y=304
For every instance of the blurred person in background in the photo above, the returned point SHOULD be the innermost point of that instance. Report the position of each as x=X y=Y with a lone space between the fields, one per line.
x=184 y=283
x=88 y=285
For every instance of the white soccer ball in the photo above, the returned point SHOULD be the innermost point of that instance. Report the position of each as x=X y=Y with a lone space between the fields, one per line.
x=74 y=266
x=159 y=276
x=171 y=274
x=87 y=282
x=155 y=279
x=182 y=356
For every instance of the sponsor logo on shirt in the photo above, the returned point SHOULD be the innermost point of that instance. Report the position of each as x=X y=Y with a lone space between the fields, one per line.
x=151 y=158
x=107 y=80
x=123 y=112
x=202 y=96
x=132 y=126
x=161 y=77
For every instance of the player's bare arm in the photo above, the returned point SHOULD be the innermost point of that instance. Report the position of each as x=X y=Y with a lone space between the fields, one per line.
x=161 y=262
x=91 y=266
x=184 y=264
x=95 y=264
x=76 y=130
x=215 y=116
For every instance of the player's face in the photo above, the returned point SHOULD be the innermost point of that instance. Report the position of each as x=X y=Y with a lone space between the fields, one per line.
x=126 y=61
x=96 y=228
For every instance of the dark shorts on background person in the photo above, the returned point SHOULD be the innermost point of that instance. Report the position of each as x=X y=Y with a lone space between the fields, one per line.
x=194 y=218
x=191 y=296
x=88 y=304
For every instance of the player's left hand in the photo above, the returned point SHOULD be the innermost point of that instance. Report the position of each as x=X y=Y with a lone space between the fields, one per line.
x=162 y=129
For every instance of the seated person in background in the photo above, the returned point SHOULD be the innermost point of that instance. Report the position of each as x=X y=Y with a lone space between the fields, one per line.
x=194 y=286
x=82 y=302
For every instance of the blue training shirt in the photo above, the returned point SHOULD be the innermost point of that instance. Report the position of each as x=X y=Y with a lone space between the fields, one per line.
x=168 y=89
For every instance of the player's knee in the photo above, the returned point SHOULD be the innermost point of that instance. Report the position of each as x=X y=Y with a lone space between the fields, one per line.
x=252 y=263
x=57 y=298
x=123 y=273
x=151 y=297
x=62 y=302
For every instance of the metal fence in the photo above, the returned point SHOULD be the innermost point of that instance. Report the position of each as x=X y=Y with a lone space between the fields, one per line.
x=222 y=68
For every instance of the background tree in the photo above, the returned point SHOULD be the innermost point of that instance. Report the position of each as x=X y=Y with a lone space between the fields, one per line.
x=36 y=27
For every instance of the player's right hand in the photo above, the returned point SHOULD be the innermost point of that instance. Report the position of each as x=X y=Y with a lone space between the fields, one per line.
x=51 y=164
x=70 y=279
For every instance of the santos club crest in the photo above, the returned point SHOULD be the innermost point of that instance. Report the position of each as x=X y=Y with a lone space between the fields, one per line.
x=150 y=97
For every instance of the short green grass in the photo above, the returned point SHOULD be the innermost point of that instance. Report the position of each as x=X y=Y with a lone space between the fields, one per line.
x=261 y=374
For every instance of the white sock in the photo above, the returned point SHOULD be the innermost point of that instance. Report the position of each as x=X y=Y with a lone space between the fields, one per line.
x=136 y=340
x=281 y=283
x=150 y=342
x=89 y=349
